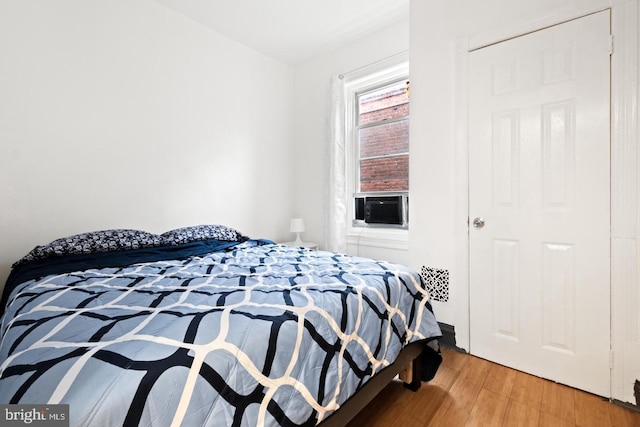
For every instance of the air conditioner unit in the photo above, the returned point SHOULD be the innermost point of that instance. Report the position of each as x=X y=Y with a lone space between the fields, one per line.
x=385 y=209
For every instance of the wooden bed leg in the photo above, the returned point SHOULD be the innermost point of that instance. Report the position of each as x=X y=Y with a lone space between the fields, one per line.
x=406 y=375
x=410 y=375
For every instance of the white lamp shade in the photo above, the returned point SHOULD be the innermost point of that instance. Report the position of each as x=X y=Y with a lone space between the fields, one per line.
x=296 y=225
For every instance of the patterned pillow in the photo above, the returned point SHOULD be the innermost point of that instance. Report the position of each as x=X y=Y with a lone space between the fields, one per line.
x=195 y=233
x=94 y=242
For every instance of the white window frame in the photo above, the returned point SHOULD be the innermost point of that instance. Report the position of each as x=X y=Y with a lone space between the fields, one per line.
x=377 y=76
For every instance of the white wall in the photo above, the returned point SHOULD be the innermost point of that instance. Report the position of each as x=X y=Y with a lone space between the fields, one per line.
x=123 y=113
x=312 y=94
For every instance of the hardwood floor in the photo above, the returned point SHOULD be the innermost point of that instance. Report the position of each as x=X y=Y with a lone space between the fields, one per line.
x=469 y=391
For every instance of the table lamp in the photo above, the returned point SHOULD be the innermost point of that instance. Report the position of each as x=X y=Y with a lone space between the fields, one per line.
x=297 y=226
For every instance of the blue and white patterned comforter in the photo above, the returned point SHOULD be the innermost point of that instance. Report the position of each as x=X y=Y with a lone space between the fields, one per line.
x=254 y=335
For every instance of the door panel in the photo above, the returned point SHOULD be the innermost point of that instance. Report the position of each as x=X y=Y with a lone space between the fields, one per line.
x=539 y=176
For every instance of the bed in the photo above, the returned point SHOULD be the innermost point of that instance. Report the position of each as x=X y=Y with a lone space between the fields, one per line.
x=202 y=326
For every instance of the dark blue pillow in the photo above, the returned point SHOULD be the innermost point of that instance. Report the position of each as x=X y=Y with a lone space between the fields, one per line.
x=93 y=242
x=196 y=233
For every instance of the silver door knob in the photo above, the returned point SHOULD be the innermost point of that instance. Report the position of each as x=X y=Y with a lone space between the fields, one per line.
x=478 y=222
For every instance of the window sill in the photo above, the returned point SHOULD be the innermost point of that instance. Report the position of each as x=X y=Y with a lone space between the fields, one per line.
x=379 y=238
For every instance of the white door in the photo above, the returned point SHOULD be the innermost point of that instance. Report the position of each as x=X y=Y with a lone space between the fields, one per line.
x=539 y=178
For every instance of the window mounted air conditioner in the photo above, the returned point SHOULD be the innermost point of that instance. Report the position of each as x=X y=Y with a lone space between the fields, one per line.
x=381 y=209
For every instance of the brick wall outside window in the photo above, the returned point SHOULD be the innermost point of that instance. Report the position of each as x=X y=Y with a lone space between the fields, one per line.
x=384 y=173
x=387 y=174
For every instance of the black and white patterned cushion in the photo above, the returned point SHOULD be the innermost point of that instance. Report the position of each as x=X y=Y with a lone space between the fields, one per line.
x=93 y=242
x=196 y=233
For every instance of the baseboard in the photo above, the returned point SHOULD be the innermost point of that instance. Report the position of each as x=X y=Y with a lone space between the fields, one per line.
x=627 y=405
x=449 y=337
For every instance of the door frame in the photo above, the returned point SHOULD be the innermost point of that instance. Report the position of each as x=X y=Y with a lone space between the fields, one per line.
x=624 y=181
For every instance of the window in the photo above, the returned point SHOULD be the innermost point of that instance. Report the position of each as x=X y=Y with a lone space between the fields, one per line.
x=383 y=138
x=378 y=148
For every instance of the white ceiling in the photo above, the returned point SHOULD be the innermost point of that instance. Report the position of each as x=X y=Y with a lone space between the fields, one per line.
x=293 y=31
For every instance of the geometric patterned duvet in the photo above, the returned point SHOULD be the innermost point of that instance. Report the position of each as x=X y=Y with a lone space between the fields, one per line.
x=255 y=335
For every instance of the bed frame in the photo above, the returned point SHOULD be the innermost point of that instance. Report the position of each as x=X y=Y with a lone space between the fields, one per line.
x=408 y=365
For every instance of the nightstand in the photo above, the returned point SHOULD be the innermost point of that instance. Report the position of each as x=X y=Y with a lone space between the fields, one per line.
x=308 y=245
